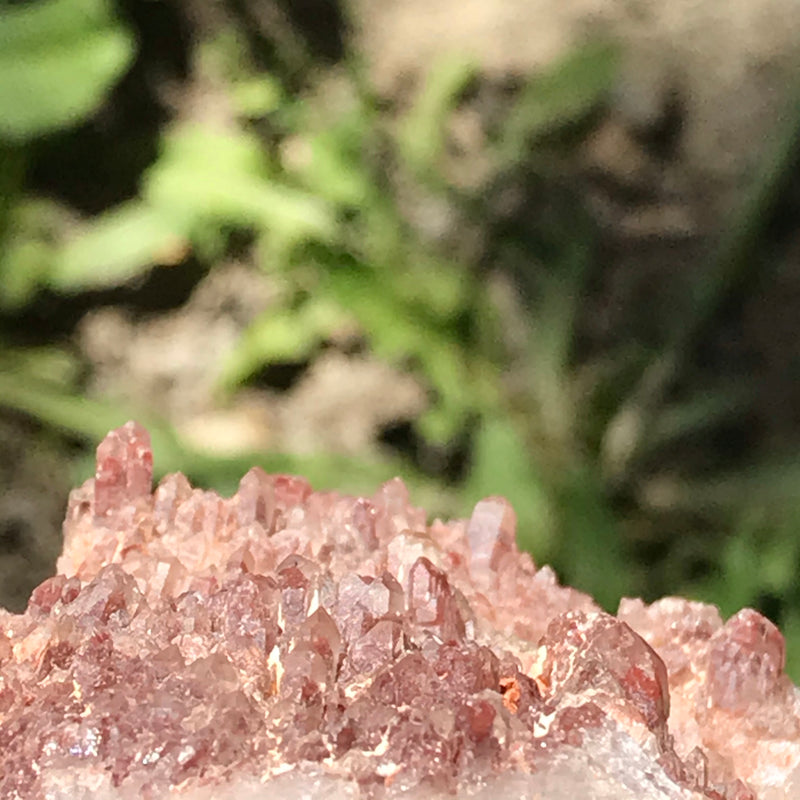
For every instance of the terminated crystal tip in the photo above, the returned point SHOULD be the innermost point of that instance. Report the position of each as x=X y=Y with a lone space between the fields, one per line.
x=283 y=643
x=124 y=468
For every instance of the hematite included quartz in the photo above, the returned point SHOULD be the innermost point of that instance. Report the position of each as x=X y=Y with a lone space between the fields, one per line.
x=284 y=644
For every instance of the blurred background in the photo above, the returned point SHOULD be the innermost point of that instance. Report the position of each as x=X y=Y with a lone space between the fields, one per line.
x=524 y=247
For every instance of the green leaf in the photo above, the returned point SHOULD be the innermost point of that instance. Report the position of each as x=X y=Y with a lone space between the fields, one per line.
x=402 y=332
x=58 y=59
x=790 y=627
x=502 y=465
x=41 y=363
x=705 y=411
x=205 y=177
x=563 y=94
x=423 y=131
x=117 y=246
x=256 y=97
x=439 y=286
x=30 y=248
x=397 y=332
x=24 y=266
x=759 y=557
x=771 y=483
x=591 y=554
x=336 y=170
x=279 y=335
x=46 y=248
x=447 y=371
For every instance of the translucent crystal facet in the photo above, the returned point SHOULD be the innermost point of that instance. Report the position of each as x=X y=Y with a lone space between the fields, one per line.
x=491 y=531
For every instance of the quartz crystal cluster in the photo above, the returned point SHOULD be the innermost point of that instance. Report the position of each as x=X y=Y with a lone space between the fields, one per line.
x=285 y=643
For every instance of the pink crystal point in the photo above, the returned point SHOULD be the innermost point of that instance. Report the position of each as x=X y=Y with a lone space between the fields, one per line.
x=599 y=653
x=747 y=660
x=283 y=643
x=124 y=468
x=492 y=535
x=431 y=603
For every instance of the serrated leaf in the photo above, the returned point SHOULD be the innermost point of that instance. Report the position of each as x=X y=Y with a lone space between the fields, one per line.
x=400 y=331
x=58 y=59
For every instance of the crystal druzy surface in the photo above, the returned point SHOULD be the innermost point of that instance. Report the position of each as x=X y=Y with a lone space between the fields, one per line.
x=285 y=643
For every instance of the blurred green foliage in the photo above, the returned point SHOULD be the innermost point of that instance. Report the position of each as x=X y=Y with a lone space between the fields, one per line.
x=57 y=61
x=557 y=437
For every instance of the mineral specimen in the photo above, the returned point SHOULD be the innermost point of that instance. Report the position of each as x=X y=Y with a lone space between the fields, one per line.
x=284 y=643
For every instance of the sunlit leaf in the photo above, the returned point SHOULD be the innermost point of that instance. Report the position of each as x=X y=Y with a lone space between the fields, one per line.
x=336 y=169
x=223 y=178
x=423 y=130
x=257 y=96
x=58 y=59
x=116 y=246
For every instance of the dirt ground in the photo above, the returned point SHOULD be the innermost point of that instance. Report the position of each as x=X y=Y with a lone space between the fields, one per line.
x=729 y=66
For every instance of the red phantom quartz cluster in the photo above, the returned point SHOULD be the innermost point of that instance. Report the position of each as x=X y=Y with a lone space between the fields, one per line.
x=290 y=643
